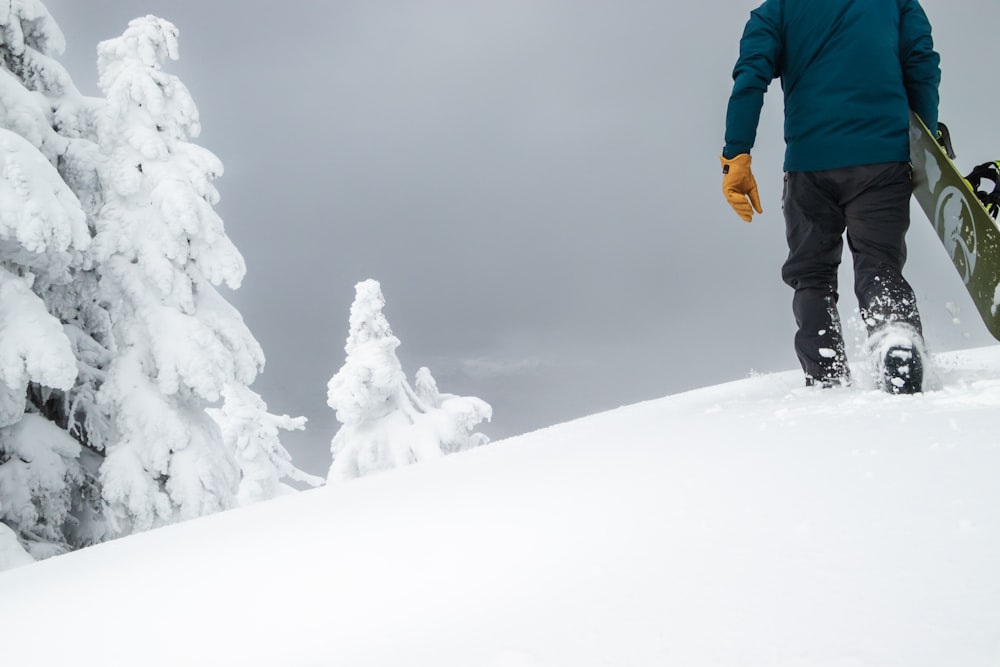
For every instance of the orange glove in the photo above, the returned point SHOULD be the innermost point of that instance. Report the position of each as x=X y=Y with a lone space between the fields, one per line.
x=738 y=183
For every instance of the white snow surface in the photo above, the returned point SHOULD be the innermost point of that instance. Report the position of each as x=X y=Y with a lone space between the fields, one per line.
x=753 y=523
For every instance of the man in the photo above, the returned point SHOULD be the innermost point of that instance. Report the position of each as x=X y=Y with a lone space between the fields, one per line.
x=850 y=71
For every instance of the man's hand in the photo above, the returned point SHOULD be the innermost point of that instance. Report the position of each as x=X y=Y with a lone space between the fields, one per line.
x=738 y=185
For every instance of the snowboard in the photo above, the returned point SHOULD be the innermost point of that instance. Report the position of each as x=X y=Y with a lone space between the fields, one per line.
x=970 y=236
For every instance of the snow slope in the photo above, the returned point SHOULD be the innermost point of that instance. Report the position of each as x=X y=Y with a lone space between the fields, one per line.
x=754 y=523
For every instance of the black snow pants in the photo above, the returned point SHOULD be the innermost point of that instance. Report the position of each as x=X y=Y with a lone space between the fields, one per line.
x=872 y=204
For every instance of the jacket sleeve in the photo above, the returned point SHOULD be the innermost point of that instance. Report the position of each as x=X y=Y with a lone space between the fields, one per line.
x=921 y=63
x=757 y=66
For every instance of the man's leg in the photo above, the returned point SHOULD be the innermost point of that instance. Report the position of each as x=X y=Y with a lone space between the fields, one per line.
x=814 y=226
x=878 y=216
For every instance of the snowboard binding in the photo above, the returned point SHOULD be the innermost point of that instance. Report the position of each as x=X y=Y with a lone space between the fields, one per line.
x=985 y=182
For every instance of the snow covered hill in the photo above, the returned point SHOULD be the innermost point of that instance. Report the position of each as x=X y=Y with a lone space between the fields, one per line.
x=754 y=523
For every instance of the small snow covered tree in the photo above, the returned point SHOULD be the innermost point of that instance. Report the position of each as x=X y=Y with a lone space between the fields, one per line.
x=455 y=416
x=253 y=433
x=161 y=251
x=384 y=422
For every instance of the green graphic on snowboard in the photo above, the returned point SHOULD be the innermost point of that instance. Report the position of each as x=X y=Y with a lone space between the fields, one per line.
x=969 y=234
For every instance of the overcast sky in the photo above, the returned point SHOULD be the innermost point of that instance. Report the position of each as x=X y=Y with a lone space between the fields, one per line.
x=535 y=183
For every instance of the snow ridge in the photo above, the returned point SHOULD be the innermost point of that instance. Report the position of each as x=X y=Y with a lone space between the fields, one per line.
x=753 y=523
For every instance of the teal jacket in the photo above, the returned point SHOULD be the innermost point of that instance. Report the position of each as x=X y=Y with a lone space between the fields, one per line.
x=850 y=71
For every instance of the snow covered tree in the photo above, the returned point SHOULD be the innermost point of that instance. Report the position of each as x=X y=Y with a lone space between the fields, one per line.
x=113 y=337
x=253 y=433
x=384 y=422
x=44 y=240
x=161 y=250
